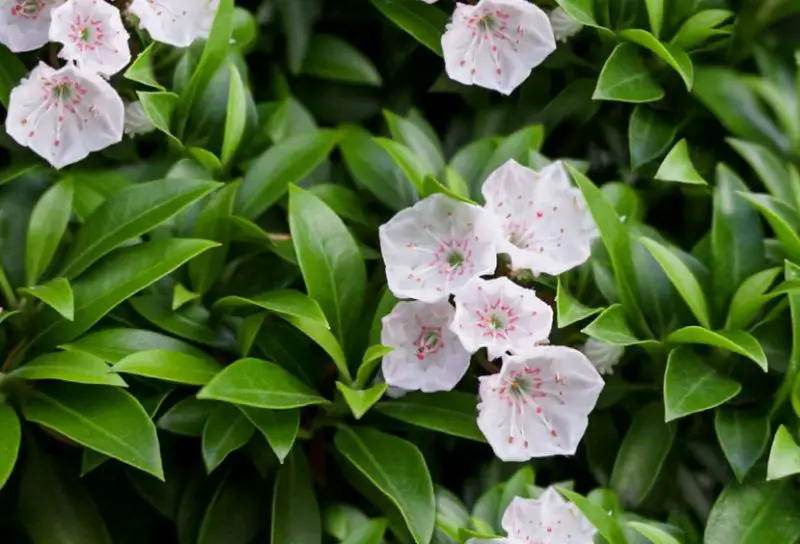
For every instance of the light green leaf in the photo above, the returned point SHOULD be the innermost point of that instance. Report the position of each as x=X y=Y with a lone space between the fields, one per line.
x=625 y=78
x=330 y=57
x=10 y=440
x=295 y=511
x=260 y=384
x=580 y=10
x=57 y=294
x=113 y=345
x=653 y=533
x=425 y=23
x=784 y=456
x=671 y=54
x=450 y=412
x=655 y=14
x=361 y=400
x=181 y=296
x=370 y=532
x=226 y=430
x=141 y=69
x=406 y=132
x=159 y=106
x=677 y=166
x=169 y=366
x=606 y=525
x=326 y=340
x=517 y=146
x=236 y=117
x=279 y=427
x=691 y=385
x=739 y=342
x=570 y=310
x=372 y=358
x=68 y=366
x=612 y=328
x=347 y=204
x=781 y=217
x=283 y=303
x=106 y=419
x=46 y=227
x=700 y=27
x=771 y=170
x=743 y=436
x=409 y=162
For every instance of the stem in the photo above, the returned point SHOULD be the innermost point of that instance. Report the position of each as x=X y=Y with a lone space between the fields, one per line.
x=6 y=289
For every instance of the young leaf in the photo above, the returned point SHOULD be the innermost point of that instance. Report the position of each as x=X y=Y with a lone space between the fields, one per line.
x=330 y=57
x=450 y=412
x=225 y=431
x=181 y=296
x=784 y=457
x=736 y=341
x=372 y=358
x=159 y=107
x=236 y=117
x=10 y=440
x=295 y=511
x=625 y=78
x=700 y=27
x=106 y=419
x=424 y=22
x=570 y=310
x=411 y=164
x=677 y=166
x=57 y=294
x=69 y=366
x=671 y=54
x=743 y=436
x=655 y=14
x=612 y=328
x=361 y=400
x=279 y=427
x=46 y=227
x=169 y=366
x=141 y=69
x=691 y=385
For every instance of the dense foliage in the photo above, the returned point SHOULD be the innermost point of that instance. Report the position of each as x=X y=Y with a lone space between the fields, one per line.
x=191 y=326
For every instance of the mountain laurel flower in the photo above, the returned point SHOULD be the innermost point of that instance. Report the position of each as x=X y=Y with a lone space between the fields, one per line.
x=63 y=115
x=564 y=26
x=501 y=316
x=24 y=24
x=427 y=356
x=137 y=122
x=175 y=22
x=92 y=34
x=538 y=404
x=436 y=247
x=550 y=519
x=496 y=43
x=604 y=356
x=543 y=221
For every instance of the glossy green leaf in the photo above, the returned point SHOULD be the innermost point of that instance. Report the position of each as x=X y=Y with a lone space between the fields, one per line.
x=347 y=204
x=671 y=54
x=677 y=166
x=361 y=400
x=580 y=10
x=326 y=340
x=67 y=366
x=46 y=227
x=225 y=431
x=295 y=511
x=425 y=23
x=113 y=345
x=330 y=57
x=691 y=385
x=781 y=217
x=260 y=384
x=653 y=533
x=411 y=164
x=127 y=214
x=771 y=170
x=569 y=310
x=159 y=107
x=642 y=454
x=700 y=27
x=743 y=436
x=106 y=419
x=141 y=69
x=650 y=133
x=269 y=176
x=625 y=78
x=169 y=366
x=449 y=412
x=611 y=327
x=655 y=14
x=606 y=525
x=279 y=427
x=188 y=417
x=739 y=342
x=517 y=146
x=369 y=362
x=10 y=440
x=291 y=303
x=371 y=532
x=57 y=294
x=784 y=456
x=12 y=70
x=410 y=135
x=398 y=470
x=191 y=322
x=181 y=296
x=236 y=117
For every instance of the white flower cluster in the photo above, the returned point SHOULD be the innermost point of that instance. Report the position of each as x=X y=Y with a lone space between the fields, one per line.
x=497 y=43
x=538 y=404
x=67 y=113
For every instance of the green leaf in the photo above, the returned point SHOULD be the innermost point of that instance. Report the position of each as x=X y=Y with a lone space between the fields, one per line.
x=784 y=456
x=46 y=227
x=781 y=217
x=330 y=57
x=655 y=14
x=188 y=417
x=106 y=419
x=10 y=440
x=207 y=160
x=283 y=303
x=739 y=342
x=754 y=514
x=332 y=267
x=691 y=385
x=361 y=400
x=141 y=69
x=121 y=275
x=190 y=322
x=449 y=412
x=625 y=78
x=700 y=27
x=295 y=511
x=517 y=146
x=298 y=19
x=671 y=54
x=683 y=279
x=653 y=533
x=580 y=10
x=743 y=436
x=279 y=427
x=181 y=296
x=372 y=358
x=326 y=340
x=287 y=162
x=398 y=470
x=611 y=327
x=235 y=118
x=677 y=166
x=225 y=431
x=12 y=70
x=642 y=454
x=406 y=132
x=771 y=170
x=570 y=310
x=650 y=133
x=169 y=366
x=424 y=22
x=605 y=524
x=129 y=213
x=159 y=106
x=113 y=345
x=371 y=532
x=411 y=164
x=347 y=204
x=67 y=366
x=51 y=496
x=260 y=384
x=57 y=294
x=237 y=512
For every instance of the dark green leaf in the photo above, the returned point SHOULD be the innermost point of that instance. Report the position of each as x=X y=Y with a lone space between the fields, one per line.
x=743 y=436
x=298 y=19
x=517 y=146
x=237 y=513
x=650 y=133
x=279 y=427
x=671 y=54
x=12 y=70
x=691 y=385
x=113 y=345
x=190 y=322
x=417 y=140
x=46 y=227
x=450 y=412
x=226 y=430
x=568 y=309
x=424 y=22
x=330 y=57
x=10 y=440
x=188 y=417
x=295 y=511
x=69 y=366
x=781 y=217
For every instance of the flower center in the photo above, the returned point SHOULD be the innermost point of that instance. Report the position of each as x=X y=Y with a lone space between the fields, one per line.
x=86 y=33
x=453 y=257
x=428 y=342
x=496 y=320
x=27 y=9
x=63 y=91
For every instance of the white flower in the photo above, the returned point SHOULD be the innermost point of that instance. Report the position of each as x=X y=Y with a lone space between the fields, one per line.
x=63 y=115
x=427 y=356
x=92 y=34
x=564 y=26
x=604 y=356
x=550 y=519
x=436 y=247
x=24 y=23
x=496 y=43
x=136 y=120
x=543 y=220
x=501 y=316
x=175 y=22
x=558 y=173
x=538 y=405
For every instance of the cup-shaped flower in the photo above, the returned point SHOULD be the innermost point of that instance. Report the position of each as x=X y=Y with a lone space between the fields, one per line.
x=427 y=356
x=550 y=519
x=501 y=316
x=24 y=24
x=564 y=26
x=604 y=356
x=538 y=405
x=175 y=22
x=136 y=120
x=544 y=225
x=436 y=247
x=496 y=43
x=63 y=115
x=92 y=35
